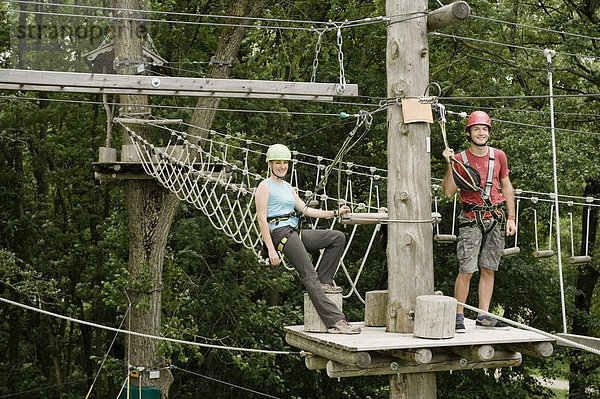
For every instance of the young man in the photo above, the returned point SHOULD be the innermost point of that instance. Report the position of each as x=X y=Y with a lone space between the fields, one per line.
x=482 y=220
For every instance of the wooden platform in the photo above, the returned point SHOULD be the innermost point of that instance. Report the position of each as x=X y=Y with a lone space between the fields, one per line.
x=376 y=352
x=115 y=171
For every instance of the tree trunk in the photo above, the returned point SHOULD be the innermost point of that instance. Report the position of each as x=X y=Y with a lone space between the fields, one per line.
x=586 y=282
x=226 y=53
x=150 y=211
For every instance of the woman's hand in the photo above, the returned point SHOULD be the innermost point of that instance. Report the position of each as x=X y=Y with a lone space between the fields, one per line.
x=274 y=257
x=343 y=210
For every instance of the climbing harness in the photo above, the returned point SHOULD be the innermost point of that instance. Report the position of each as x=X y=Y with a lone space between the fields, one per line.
x=480 y=211
x=264 y=251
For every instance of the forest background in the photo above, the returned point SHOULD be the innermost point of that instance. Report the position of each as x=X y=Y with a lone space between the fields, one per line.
x=64 y=236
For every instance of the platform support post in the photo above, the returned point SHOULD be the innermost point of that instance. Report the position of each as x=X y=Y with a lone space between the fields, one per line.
x=410 y=245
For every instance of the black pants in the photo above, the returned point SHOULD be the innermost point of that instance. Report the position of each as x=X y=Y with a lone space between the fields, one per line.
x=296 y=250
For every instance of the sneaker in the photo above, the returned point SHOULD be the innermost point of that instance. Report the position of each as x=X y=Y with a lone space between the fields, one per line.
x=331 y=289
x=343 y=327
x=460 y=327
x=490 y=323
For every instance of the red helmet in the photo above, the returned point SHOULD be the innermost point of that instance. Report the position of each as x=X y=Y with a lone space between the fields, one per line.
x=478 y=118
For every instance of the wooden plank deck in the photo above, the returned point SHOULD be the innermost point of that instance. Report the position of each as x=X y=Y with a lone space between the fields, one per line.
x=377 y=339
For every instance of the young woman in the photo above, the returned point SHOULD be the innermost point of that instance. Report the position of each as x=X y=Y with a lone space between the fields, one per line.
x=276 y=206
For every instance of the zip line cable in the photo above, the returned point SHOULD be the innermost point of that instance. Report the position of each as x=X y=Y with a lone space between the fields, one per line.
x=295 y=21
x=224 y=382
x=510 y=45
x=103 y=17
x=156 y=337
x=191 y=108
x=163 y=12
x=560 y=32
x=529 y=111
x=541 y=96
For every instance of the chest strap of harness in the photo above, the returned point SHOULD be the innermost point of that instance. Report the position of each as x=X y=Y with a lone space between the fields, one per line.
x=490 y=177
x=497 y=211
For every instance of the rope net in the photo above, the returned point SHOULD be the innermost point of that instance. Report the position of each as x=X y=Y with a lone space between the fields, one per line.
x=219 y=174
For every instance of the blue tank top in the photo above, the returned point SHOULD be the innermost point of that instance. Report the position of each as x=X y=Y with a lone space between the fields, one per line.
x=281 y=202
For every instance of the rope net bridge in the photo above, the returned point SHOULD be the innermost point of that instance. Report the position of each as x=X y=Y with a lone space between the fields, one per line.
x=219 y=174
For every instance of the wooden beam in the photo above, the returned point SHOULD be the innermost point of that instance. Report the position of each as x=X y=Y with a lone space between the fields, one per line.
x=441 y=362
x=419 y=356
x=328 y=351
x=448 y=15
x=134 y=121
x=475 y=352
x=16 y=79
x=92 y=90
x=537 y=349
x=314 y=362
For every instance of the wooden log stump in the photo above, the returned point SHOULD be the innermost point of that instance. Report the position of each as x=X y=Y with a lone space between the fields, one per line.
x=435 y=316
x=107 y=154
x=128 y=153
x=376 y=308
x=312 y=321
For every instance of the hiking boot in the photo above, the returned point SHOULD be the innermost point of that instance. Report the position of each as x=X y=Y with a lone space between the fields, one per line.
x=490 y=323
x=343 y=327
x=460 y=327
x=330 y=288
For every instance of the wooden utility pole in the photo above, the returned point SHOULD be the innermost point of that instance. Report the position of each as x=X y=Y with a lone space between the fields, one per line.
x=410 y=234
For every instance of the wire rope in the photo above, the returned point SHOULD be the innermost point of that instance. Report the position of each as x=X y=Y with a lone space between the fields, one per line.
x=330 y=25
x=225 y=383
x=531 y=125
x=156 y=337
x=533 y=329
x=10 y=395
x=107 y=352
x=530 y=111
x=510 y=45
x=560 y=32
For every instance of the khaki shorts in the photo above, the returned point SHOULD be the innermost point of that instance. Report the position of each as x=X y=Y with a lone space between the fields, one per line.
x=471 y=254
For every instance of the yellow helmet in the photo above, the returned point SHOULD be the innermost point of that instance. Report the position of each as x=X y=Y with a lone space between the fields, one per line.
x=278 y=152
